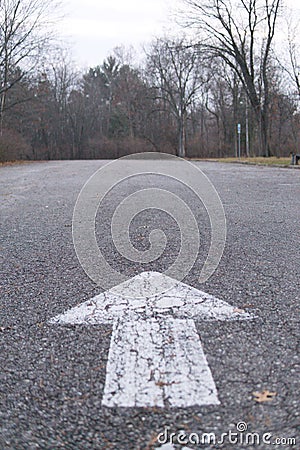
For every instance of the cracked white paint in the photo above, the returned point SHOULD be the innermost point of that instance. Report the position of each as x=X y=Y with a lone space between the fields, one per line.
x=158 y=362
x=178 y=300
x=155 y=356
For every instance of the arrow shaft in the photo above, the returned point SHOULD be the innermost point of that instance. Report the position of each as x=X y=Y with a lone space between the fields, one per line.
x=157 y=362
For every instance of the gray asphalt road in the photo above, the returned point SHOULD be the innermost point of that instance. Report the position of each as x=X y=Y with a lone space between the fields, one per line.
x=52 y=377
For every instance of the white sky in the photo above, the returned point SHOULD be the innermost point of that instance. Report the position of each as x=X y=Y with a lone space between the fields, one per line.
x=95 y=27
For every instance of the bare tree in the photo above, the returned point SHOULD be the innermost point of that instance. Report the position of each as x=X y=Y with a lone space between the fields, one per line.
x=241 y=33
x=177 y=74
x=25 y=31
x=289 y=58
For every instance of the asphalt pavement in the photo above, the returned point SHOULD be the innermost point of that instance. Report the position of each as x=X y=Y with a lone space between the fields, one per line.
x=52 y=377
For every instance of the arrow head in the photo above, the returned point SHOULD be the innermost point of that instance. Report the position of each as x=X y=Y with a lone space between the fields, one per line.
x=129 y=300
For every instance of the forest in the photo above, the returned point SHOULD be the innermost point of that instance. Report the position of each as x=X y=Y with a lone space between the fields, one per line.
x=227 y=86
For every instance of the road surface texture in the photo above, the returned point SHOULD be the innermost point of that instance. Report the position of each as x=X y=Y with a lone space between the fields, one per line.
x=52 y=376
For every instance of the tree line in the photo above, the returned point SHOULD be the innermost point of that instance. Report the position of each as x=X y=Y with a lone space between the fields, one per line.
x=221 y=91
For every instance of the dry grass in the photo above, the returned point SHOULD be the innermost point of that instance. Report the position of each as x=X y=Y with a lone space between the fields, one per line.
x=20 y=161
x=272 y=161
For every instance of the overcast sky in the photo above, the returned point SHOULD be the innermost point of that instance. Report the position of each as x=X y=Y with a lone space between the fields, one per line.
x=95 y=27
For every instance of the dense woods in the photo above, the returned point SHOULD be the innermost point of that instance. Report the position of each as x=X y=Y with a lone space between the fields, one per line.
x=187 y=95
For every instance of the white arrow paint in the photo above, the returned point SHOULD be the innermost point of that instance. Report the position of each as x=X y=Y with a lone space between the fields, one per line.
x=170 y=447
x=157 y=362
x=155 y=356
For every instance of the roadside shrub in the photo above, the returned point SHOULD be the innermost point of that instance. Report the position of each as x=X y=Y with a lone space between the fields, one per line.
x=13 y=146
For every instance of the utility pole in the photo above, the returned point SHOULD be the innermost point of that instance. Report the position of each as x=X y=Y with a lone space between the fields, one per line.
x=239 y=139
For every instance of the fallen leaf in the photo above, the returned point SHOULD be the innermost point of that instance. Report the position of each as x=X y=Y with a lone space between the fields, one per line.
x=153 y=440
x=162 y=383
x=264 y=396
x=239 y=311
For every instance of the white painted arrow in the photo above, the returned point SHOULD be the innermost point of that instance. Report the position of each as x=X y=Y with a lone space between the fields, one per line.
x=155 y=356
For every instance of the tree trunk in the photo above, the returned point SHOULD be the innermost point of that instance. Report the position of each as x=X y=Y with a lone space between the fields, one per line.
x=181 y=141
x=263 y=125
x=2 y=104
